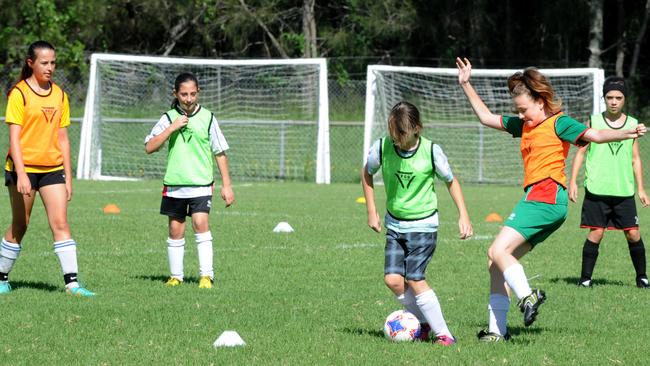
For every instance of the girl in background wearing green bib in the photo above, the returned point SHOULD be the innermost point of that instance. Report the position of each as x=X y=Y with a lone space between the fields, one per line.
x=610 y=173
x=194 y=141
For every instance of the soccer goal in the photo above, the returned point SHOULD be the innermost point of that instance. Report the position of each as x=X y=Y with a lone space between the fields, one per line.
x=477 y=153
x=273 y=113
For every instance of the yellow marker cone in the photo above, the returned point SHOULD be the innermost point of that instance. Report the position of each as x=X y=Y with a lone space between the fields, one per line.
x=493 y=217
x=361 y=200
x=111 y=208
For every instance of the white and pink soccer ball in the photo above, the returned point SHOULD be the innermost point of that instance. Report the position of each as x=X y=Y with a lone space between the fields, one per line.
x=402 y=326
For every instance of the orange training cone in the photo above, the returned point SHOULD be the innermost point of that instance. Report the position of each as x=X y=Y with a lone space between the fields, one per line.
x=111 y=208
x=493 y=217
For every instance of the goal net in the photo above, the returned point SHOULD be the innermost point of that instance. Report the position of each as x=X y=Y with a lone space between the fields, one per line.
x=273 y=113
x=477 y=153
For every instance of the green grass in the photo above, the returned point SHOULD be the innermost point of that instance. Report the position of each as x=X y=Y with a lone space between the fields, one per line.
x=315 y=296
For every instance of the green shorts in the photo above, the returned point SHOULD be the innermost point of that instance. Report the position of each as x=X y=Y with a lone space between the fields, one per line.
x=535 y=220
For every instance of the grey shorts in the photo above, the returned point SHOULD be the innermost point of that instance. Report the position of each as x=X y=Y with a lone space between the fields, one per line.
x=408 y=254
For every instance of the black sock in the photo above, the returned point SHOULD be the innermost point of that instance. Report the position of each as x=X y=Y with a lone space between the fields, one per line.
x=4 y=276
x=589 y=257
x=637 y=254
x=69 y=278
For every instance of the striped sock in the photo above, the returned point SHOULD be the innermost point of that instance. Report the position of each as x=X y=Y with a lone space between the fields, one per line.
x=66 y=251
x=8 y=254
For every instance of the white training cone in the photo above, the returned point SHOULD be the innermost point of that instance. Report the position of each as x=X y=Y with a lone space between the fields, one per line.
x=283 y=227
x=229 y=338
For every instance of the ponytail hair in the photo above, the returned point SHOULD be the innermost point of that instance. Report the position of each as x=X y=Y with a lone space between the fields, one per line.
x=533 y=83
x=403 y=119
x=27 y=71
x=180 y=79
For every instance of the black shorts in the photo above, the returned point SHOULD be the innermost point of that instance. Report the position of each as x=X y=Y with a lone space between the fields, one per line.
x=178 y=208
x=609 y=212
x=37 y=180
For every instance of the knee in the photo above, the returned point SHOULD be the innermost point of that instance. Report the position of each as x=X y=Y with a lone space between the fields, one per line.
x=418 y=286
x=632 y=236
x=492 y=253
x=595 y=236
x=60 y=227
x=395 y=283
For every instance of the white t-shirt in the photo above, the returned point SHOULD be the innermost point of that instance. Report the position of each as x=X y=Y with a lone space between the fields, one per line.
x=442 y=171
x=218 y=144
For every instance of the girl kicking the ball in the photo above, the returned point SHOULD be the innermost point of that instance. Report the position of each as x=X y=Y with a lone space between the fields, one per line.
x=545 y=134
x=194 y=138
x=409 y=163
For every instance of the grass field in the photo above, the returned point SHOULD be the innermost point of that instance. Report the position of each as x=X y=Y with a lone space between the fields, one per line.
x=314 y=296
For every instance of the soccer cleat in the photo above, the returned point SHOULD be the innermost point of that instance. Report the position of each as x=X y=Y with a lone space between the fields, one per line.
x=205 y=282
x=5 y=287
x=585 y=283
x=444 y=340
x=529 y=305
x=488 y=337
x=79 y=292
x=173 y=281
x=425 y=329
x=641 y=282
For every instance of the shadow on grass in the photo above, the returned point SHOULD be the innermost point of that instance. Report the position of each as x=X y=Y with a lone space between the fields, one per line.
x=364 y=332
x=163 y=278
x=35 y=285
x=597 y=282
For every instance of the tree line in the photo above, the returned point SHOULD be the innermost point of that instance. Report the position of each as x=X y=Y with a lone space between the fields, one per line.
x=611 y=34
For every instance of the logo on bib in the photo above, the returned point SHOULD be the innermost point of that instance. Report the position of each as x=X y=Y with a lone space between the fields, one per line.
x=405 y=178
x=48 y=113
x=614 y=147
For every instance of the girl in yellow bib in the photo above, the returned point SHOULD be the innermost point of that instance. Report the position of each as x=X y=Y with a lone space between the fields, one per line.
x=38 y=115
x=545 y=134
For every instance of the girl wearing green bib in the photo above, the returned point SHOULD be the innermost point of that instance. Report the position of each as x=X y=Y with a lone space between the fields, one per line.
x=611 y=170
x=194 y=141
x=409 y=163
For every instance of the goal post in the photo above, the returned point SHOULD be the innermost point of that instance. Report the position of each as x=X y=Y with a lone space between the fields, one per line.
x=273 y=113
x=477 y=154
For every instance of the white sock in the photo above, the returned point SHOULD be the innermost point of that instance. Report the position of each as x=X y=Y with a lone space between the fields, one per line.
x=175 y=254
x=66 y=251
x=498 y=313
x=8 y=254
x=516 y=279
x=430 y=308
x=204 y=248
x=408 y=300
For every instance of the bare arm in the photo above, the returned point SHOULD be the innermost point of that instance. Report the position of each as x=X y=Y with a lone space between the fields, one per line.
x=23 y=185
x=369 y=193
x=64 y=143
x=464 y=223
x=484 y=115
x=227 y=193
x=575 y=170
x=600 y=136
x=638 y=174
x=157 y=141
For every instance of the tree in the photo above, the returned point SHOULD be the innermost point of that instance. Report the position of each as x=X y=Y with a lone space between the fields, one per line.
x=595 y=32
x=309 y=28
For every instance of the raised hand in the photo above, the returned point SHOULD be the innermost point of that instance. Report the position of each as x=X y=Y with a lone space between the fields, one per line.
x=464 y=70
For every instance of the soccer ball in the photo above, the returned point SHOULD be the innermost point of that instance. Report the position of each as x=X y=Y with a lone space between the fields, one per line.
x=402 y=326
